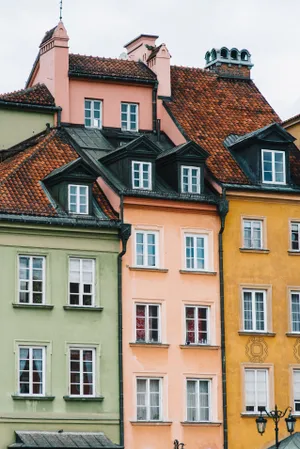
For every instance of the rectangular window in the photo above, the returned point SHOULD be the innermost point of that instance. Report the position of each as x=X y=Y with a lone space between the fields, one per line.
x=196 y=252
x=253 y=234
x=78 y=199
x=295 y=236
x=190 y=179
x=93 y=113
x=146 y=249
x=31 y=279
x=295 y=311
x=296 y=382
x=198 y=400
x=273 y=167
x=31 y=377
x=82 y=372
x=147 y=323
x=197 y=325
x=256 y=389
x=129 y=117
x=81 y=282
x=141 y=175
x=148 y=399
x=254 y=310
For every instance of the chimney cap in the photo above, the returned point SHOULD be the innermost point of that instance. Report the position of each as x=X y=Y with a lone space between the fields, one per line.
x=150 y=36
x=223 y=55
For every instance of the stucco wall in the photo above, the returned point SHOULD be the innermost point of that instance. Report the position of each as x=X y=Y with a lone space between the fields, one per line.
x=16 y=126
x=58 y=328
x=295 y=131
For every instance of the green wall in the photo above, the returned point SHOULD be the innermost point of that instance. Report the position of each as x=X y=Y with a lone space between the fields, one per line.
x=58 y=328
x=16 y=125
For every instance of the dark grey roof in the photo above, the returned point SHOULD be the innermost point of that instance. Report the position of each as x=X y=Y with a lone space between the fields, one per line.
x=48 y=35
x=33 y=439
x=291 y=442
x=171 y=150
x=91 y=139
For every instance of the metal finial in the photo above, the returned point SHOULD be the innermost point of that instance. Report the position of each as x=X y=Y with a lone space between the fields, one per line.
x=60 y=9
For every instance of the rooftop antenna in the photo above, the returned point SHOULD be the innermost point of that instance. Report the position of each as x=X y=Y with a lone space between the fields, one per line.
x=60 y=9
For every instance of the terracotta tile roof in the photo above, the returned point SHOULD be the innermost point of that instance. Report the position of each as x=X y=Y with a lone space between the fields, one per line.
x=36 y=95
x=81 y=65
x=208 y=108
x=21 y=190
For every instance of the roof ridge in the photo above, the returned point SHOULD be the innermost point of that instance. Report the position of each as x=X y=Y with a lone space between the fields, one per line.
x=103 y=57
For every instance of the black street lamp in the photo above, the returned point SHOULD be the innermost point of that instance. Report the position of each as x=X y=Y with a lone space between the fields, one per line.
x=276 y=415
x=178 y=445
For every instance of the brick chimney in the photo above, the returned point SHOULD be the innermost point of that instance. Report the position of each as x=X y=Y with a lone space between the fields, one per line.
x=143 y=49
x=227 y=63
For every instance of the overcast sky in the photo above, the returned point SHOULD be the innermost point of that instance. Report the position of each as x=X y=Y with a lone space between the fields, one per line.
x=269 y=29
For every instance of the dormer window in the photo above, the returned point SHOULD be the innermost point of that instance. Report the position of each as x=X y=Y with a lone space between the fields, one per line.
x=273 y=167
x=141 y=175
x=190 y=179
x=129 y=117
x=78 y=199
x=93 y=113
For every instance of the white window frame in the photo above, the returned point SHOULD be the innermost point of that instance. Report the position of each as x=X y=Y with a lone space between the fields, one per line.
x=253 y=291
x=148 y=379
x=141 y=177
x=81 y=349
x=208 y=312
x=296 y=401
x=205 y=239
x=145 y=245
x=81 y=293
x=147 y=306
x=92 y=113
x=30 y=280
x=209 y=381
x=255 y=411
x=43 y=348
x=252 y=221
x=198 y=185
x=128 y=121
x=293 y=292
x=293 y=223
x=273 y=152
x=78 y=186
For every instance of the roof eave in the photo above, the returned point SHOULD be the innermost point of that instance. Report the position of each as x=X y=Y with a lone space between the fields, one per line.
x=28 y=106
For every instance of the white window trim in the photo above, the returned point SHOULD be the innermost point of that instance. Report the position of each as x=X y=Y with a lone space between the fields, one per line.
x=141 y=163
x=206 y=255
x=147 y=305
x=78 y=199
x=261 y=231
x=128 y=116
x=92 y=112
x=196 y=324
x=81 y=259
x=255 y=368
x=30 y=281
x=210 y=402
x=81 y=349
x=294 y=222
x=295 y=368
x=273 y=166
x=293 y=292
x=157 y=255
x=148 y=397
x=253 y=291
x=190 y=168
x=30 y=347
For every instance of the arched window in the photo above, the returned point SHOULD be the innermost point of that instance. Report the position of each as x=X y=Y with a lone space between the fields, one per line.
x=234 y=54
x=224 y=53
x=213 y=54
x=207 y=57
x=245 y=55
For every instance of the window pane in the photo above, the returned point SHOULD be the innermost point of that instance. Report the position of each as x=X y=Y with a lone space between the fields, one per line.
x=295 y=309
x=141 y=323
x=190 y=325
x=202 y=325
x=200 y=253
x=191 y=401
x=260 y=311
x=248 y=324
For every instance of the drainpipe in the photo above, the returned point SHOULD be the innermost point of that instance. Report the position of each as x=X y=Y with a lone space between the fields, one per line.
x=223 y=210
x=124 y=235
x=154 y=106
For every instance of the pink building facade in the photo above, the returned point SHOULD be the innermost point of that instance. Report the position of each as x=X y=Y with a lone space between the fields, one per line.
x=172 y=376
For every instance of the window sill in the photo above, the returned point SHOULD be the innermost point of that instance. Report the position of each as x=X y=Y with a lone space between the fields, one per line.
x=202 y=423
x=83 y=399
x=250 y=414
x=17 y=305
x=83 y=308
x=149 y=345
x=293 y=253
x=199 y=347
x=18 y=397
x=158 y=270
x=293 y=334
x=260 y=334
x=210 y=273
x=151 y=423
x=254 y=250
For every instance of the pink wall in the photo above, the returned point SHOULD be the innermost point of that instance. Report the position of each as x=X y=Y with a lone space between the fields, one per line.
x=112 y=94
x=173 y=291
x=168 y=126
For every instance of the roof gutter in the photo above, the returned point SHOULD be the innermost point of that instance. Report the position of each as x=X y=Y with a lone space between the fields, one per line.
x=33 y=107
x=112 y=78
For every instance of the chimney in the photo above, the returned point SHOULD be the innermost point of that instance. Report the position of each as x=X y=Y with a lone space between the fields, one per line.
x=54 y=66
x=143 y=49
x=229 y=63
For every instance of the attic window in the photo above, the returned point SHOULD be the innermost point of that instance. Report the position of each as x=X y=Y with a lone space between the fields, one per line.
x=273 y=167
x=224 y=53
x=78 y=199
x=190 y=179
x=141 y=175
x=234 y=54
x=244 y=56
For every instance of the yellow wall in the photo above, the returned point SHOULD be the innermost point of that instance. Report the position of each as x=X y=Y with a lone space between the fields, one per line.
x=294 y=129
x=279 y=270
x=16 y=125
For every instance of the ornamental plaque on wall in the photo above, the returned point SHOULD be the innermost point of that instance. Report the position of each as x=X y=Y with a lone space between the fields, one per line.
x=257 y=349
x=297 y=349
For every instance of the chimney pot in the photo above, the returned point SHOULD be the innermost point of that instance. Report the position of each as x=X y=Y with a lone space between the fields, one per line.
x=229 y=63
